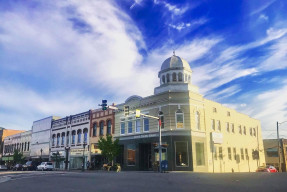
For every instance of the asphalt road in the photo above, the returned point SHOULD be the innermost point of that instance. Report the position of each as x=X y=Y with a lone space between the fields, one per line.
x=141 y=181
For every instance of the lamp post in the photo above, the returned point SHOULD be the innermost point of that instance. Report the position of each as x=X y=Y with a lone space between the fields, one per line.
x=278 y=140
x=83 y=166
x=67 y=156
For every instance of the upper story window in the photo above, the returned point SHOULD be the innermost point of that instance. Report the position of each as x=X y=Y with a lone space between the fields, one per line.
x=68 y=141
x=167 y=78
x=250 y=131
x=101 y=128
x=254 y=132
x=212 y=124
x=79 y=135
x=240 y=129
x=244 y=130
x=85 y=135
x=63 y=139
x=179 y=119
x=130 y=126
x=197 y=120
x=218 y=125
x=174 y=77
x=214 y=110
x=163 y=79
x=58 y=139
x=53 y=140
x=161 y=119
x=227 y=127
x=228 y=113
x=232 y=128
x=123 y=127
x=138 y=125
x=179 y=76
x=146 y=124
x=95 y=129
x=109 y=127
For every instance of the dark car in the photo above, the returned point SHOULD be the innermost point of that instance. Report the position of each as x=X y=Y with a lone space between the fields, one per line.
x=30 y=166
x=17 y=167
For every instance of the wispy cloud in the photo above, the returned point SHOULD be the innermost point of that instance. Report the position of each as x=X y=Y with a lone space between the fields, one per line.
x=262 y=7
x=263 y=17
x=192 y=25
x=175 y=10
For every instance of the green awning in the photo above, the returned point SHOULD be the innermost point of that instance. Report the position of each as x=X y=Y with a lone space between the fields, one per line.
x=7 y=158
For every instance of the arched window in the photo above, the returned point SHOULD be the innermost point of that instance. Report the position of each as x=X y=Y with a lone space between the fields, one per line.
x=79 y=132
x=63 y=139
x=73 y=137
x=68 y=140
x=101 y=128
x=163 y=79
x=109 y=127
x=174 y=77
x=179 y=76
x=167 y=78
x=85 y=135
x=95 y=129
x=53 y=140
x=197 y=120
x=161 y=119
x=179 y=119
x=58 y=139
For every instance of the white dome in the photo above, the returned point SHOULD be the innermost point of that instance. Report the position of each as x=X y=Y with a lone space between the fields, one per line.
x=175 y=62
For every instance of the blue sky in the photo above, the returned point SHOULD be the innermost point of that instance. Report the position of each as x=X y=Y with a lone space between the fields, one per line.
x=64 y=57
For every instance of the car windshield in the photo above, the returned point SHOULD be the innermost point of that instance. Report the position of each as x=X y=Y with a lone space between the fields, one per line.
x=49 y=164
x=43 y=163
x=29 y=163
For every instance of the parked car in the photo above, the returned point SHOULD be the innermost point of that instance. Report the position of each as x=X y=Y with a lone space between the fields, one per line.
x=17 y=167
x=30 y=166
x=45 y=166
x=3 y=168
x=268 y=168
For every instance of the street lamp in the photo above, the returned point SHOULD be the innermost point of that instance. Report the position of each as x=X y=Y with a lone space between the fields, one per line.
x=67 y=153
x=83 y=166
x=41 y=154
x=279 y=155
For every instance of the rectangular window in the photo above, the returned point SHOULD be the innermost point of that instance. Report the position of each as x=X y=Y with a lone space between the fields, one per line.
x=214 y=110
x=131 y=154
x=229 y=153
x=218 y=126
x=63 y=140
x=179 y=120
x=181 y=152
x=240 y=130
x=250 y=131
x=220 y=153
x=227 y=126
x=246 y=154
x=123 y=127
x=232 y=128
x=138 y=125
x=130 y=127
x=146 y=124
x=215 y=153
x=234 y=153
x=272 y=152
x=228 y=113
x=212 y=124
x=242 y=153
x=199 y=147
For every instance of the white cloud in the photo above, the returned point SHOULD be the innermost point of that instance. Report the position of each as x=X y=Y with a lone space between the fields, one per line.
x=173 y=8
x=193 y=24
x=262 y=7
x=263 y=17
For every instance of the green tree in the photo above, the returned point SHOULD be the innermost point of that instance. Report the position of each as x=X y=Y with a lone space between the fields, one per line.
x=57 y=158
x=110 y=149
x=18 y=156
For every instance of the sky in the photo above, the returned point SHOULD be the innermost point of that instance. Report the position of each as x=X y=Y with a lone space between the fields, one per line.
x=63 y=57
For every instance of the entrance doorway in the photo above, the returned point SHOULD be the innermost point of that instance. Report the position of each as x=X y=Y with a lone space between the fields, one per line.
x=145 y=161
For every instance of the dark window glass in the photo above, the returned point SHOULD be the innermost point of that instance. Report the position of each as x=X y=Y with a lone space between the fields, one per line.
x=181 y=154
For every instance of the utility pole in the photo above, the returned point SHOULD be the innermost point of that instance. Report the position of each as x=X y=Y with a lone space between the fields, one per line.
x=279 y=154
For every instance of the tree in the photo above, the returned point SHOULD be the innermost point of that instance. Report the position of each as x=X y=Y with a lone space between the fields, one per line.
x=18 y=156
x=110 y=149
x=57 y=158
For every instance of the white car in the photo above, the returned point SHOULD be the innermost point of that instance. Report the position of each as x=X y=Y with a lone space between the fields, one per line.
x=45 y=166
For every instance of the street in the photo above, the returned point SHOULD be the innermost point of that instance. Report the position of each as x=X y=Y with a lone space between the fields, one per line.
x=140 y=181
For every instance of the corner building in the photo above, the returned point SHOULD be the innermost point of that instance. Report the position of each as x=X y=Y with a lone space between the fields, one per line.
x=199 y=135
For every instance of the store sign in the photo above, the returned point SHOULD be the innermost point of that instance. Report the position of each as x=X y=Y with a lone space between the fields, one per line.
x=217 y=138
x=77 y=151
x=179 y=125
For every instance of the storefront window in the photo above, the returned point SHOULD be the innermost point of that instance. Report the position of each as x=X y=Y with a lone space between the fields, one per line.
x=181 y=152
x=199 y=147
x=131 y=154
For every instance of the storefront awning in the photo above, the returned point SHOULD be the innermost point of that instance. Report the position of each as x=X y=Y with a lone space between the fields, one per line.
x=8 y=158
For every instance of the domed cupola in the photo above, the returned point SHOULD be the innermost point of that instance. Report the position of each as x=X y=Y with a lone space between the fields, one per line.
x=175 y=76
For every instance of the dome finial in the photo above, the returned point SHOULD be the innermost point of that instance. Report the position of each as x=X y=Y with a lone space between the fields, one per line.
x=173 y=52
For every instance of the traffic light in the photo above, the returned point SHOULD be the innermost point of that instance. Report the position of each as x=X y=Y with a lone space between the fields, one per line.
x=126 y=110
x=104 y=105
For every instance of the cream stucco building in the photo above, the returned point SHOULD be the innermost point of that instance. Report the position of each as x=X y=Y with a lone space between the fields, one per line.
x=199 y=135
